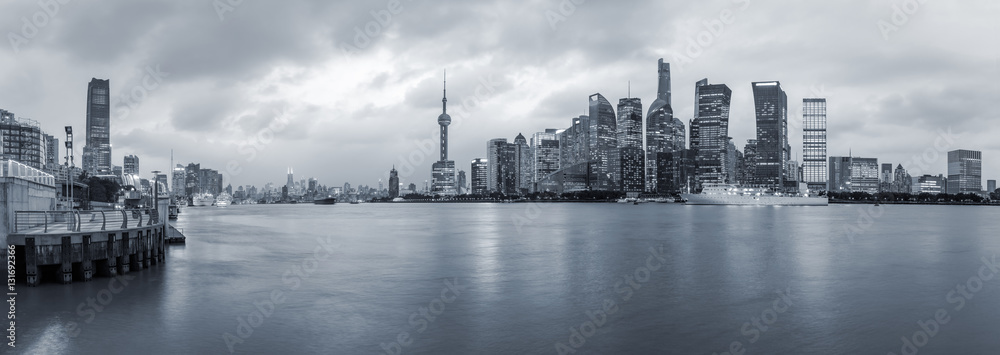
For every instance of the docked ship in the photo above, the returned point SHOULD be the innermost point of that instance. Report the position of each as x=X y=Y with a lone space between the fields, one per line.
x=223 y=200
x=202 y=199
x=725 y=194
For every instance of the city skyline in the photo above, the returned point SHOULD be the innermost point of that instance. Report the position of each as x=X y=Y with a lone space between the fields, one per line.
x=927 y=77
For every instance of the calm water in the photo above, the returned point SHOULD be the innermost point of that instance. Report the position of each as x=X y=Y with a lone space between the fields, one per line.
x=528 y=274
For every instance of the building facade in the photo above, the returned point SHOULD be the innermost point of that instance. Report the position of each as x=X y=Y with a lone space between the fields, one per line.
x=631 y=157
x=22 y=140
x=131 y=165
x=851 y=174
x=664 y=133
x=545 y=147
x=480 y=176
x=771 y=111
x=710 y=132
x=603 y=142
x=393 y=183
x=814 y=171
x=965 y=171
x=97 y=152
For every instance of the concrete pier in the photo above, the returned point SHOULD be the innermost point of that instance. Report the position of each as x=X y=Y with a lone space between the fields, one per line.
x=79 y=256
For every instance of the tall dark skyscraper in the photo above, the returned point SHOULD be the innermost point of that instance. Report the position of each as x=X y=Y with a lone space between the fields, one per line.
x=443 y=171
x=603 y=142
x=631 y=168
x=664 y=133
x=97 y=151
x=814 y=170
x=523 y=164
x=480 y=173
x=393 y=183
x=771 y=108
x=710 y=132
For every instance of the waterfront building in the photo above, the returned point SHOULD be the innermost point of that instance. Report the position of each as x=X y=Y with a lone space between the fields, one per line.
x=22 y=140
x=710 y=132
x=574 y=178
x=52 y=147
x=443 y=171
x=748 y=175
x=902 y=181
x=603 y=143
x=991 y=186
x=131 y=165
x=675 y=171
x=732 y=161
x=660 y=125
x=461 y=184
x=965 y=171
x=814 y=171
x=522 y=165
x=393 y=183
x=545 y=147
x=852 y=174
x=495 y=148
x=631 y=169
x=97 y=151
x=929 y=184
x=574 y=143
x=480 y=176
x=177 y=181
x=771 y=110
x=885 y=177
x=191 y=186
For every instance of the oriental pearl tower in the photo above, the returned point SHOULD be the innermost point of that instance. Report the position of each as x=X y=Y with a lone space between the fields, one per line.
x=444 y=120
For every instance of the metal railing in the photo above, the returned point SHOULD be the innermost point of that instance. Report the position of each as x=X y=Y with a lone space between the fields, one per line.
x=27 y=222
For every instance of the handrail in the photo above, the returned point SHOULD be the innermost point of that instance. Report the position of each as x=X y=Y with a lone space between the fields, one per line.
x=40 y=221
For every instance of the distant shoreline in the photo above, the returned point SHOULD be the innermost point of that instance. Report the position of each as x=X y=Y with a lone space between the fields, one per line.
x=868 y=202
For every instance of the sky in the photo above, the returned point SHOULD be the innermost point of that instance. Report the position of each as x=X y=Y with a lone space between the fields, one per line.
x=342 y=91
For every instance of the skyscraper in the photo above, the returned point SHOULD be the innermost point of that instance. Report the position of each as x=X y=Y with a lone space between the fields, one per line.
x=51 y=150
x=814 y=143
x=659 y=125
x=991 y=186
x=771 y=108
x=545 y=148
x=494 y=149
x=631 y=168
x=710 y=131
x=393 y=183
x=522 y=163
x=749 y=174
x=443 y=171
x=885 y=177
x=97 y=151
x=965 y=171
x=603 y=142
x=131 y=165
x=480 y=173
x=290 y=183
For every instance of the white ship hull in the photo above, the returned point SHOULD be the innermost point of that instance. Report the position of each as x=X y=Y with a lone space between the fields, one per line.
x=751 y=200
x=202 y=201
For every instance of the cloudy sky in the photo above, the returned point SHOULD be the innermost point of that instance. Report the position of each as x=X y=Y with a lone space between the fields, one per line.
x=343 y=90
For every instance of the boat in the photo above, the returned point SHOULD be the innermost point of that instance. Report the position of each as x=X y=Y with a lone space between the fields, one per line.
x=354 y=202
x=223 y=200
x=326 y=201
x=172 y=211
x=726 y=194
x=202 y=199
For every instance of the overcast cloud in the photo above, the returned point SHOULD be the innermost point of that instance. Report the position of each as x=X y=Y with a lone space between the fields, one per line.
x=278 y=70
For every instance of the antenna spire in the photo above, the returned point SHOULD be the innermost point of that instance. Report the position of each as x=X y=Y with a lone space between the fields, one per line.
x=444 y=97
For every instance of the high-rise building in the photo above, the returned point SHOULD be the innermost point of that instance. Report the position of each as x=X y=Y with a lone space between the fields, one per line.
x=131 y=165
x=97 y=152
x=929 y=184
x=732 y=161
x=850 y=174
x=461 y=184
x=574 y=143
x=177 y=181
x=710 y=131
x=631 y=168
x=480 y=173
x=661 y=127
x=901 y=182
x=991 y=186
x=443 y=171
x=771 y=109
x=965 y=171
x=885 y=177
x=494 y=150
x=603 y=142
x=22 y=140
x=290 y=181
x=191 y=182
x=522 y=163
x=814 y=143
x=51 y=151
x=393 y=183
x=748 y=175
x=546 y=151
